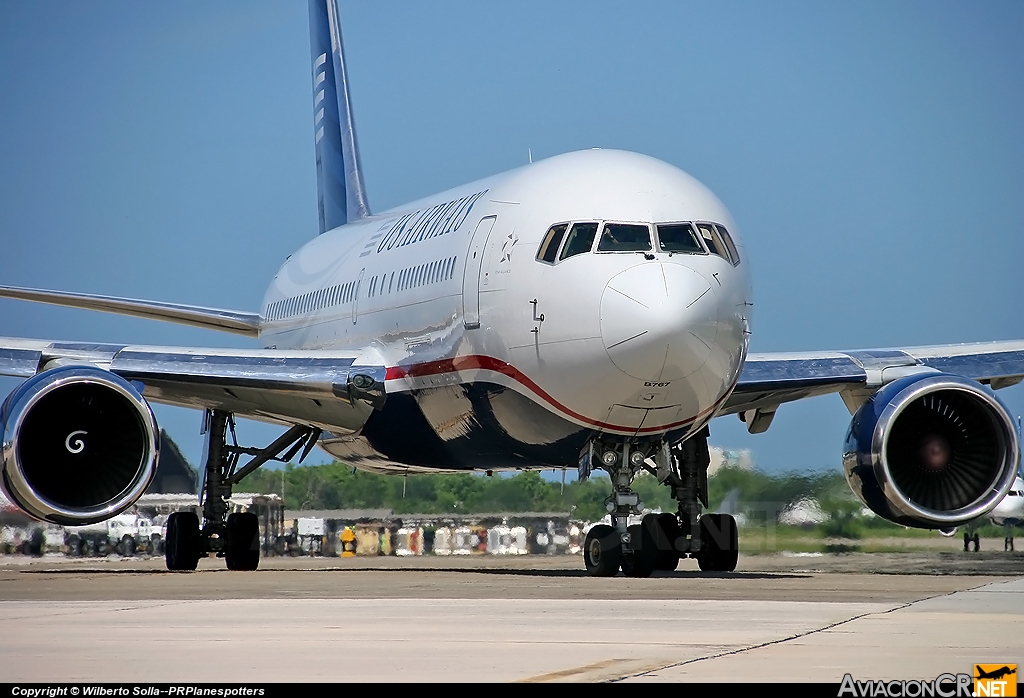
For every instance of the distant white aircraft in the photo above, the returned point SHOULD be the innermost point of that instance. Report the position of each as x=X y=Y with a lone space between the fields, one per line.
x=590 y=310
x=1009 y=512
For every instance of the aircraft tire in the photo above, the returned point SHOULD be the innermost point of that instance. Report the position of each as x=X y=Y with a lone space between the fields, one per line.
x=645 y=552
x=664 y=529
x=719 y=543
x=602 y=551
x=182 y=549
x=243 y=551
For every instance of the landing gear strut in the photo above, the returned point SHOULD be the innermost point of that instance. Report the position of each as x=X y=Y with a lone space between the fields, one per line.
x=1008 y=540
x=710 y=538
x=660 y=540
x=970 y=539
x=234 y=537
x=608 y=548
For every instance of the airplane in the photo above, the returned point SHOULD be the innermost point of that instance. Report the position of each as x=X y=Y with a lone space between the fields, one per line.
x=995 y=674
x=1009 y=512
x=589 y=310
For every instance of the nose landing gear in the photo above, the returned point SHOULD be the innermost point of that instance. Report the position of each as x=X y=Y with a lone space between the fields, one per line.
x=602 y=551
x=619 y=546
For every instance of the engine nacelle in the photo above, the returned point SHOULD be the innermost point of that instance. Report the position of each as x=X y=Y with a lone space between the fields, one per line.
x=931 y=451
x=80 y=445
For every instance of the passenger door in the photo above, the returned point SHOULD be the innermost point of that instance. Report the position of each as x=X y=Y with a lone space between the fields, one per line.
x=471 y=279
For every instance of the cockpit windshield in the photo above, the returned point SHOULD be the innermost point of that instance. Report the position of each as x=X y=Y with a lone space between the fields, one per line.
x=565 y=240
x=712 y=240
x=679 y=237
x=549 y=247
x=625 y=237
x=729 y=244
x=581 y=239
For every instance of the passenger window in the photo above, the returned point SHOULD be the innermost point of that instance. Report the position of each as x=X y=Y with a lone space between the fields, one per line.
x=549 y=247
x=711 y=239
x=730 y=245
x=623 y=237
x=581 y=239
x=679 y=237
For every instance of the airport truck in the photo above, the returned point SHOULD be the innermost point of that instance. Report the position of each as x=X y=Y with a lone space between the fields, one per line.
x=125 y=534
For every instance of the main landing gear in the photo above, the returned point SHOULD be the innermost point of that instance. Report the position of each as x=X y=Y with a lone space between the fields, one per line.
x=233 y=536
x=660 y=540
x=971 y=538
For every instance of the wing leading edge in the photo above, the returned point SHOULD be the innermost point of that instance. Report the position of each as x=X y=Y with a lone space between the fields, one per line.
x=334 y=391
x=235 y=321
x=768 y=380
x=303 y=386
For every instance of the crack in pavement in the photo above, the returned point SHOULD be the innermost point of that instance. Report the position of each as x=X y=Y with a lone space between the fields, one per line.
x=796 y=636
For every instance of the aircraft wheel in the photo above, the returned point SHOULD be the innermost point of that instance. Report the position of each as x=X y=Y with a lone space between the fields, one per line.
x=719 y=543
x=182 y=550
x=602 y=551
x=243 y=550
x=664 y=529
x=641 y=562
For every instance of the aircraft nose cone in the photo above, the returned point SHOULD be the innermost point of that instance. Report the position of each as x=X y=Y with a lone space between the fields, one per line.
x=659 y=321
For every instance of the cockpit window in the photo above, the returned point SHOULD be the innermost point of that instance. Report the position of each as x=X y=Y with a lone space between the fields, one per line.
x=581 y=239
x=549 y=247
x=625 y=237
x=679 y=237
x=713 y=241
x=729 y=244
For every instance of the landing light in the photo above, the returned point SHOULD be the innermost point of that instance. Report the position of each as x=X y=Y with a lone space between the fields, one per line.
x=609 y=457
x=636 y=457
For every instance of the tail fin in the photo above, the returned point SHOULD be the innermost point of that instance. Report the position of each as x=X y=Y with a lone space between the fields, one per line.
x=339 y=176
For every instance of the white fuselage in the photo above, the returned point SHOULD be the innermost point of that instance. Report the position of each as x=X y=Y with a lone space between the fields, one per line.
x=450 y=293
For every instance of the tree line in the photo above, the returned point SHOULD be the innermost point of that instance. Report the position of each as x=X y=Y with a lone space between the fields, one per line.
x=339 y=486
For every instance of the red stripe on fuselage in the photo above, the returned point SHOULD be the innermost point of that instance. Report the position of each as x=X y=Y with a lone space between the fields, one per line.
x=488 y=363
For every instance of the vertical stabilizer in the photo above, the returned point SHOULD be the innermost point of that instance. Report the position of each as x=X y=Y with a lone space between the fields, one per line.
x=339 y=176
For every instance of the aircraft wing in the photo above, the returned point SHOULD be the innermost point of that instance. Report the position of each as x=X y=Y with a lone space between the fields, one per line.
x=286 y=386
x=235 y=321
x=768 y=380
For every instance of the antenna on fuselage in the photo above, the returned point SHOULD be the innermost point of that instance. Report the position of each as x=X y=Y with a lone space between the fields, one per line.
x=529 y=154
x=341 y=197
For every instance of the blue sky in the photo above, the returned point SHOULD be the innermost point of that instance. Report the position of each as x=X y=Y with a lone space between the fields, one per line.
x=872 y=154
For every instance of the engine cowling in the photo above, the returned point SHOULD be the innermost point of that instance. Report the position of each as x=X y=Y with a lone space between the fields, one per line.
x=80 y=445
x=931 y=451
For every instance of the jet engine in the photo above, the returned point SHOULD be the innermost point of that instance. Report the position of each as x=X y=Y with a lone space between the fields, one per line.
x=931 y=451
x=79 y=445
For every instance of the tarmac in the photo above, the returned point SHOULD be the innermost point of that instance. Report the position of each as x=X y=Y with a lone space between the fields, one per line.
x=779 y=617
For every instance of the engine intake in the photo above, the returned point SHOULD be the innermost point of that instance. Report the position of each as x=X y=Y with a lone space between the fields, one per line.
x=80 y=445
x=931 y=451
